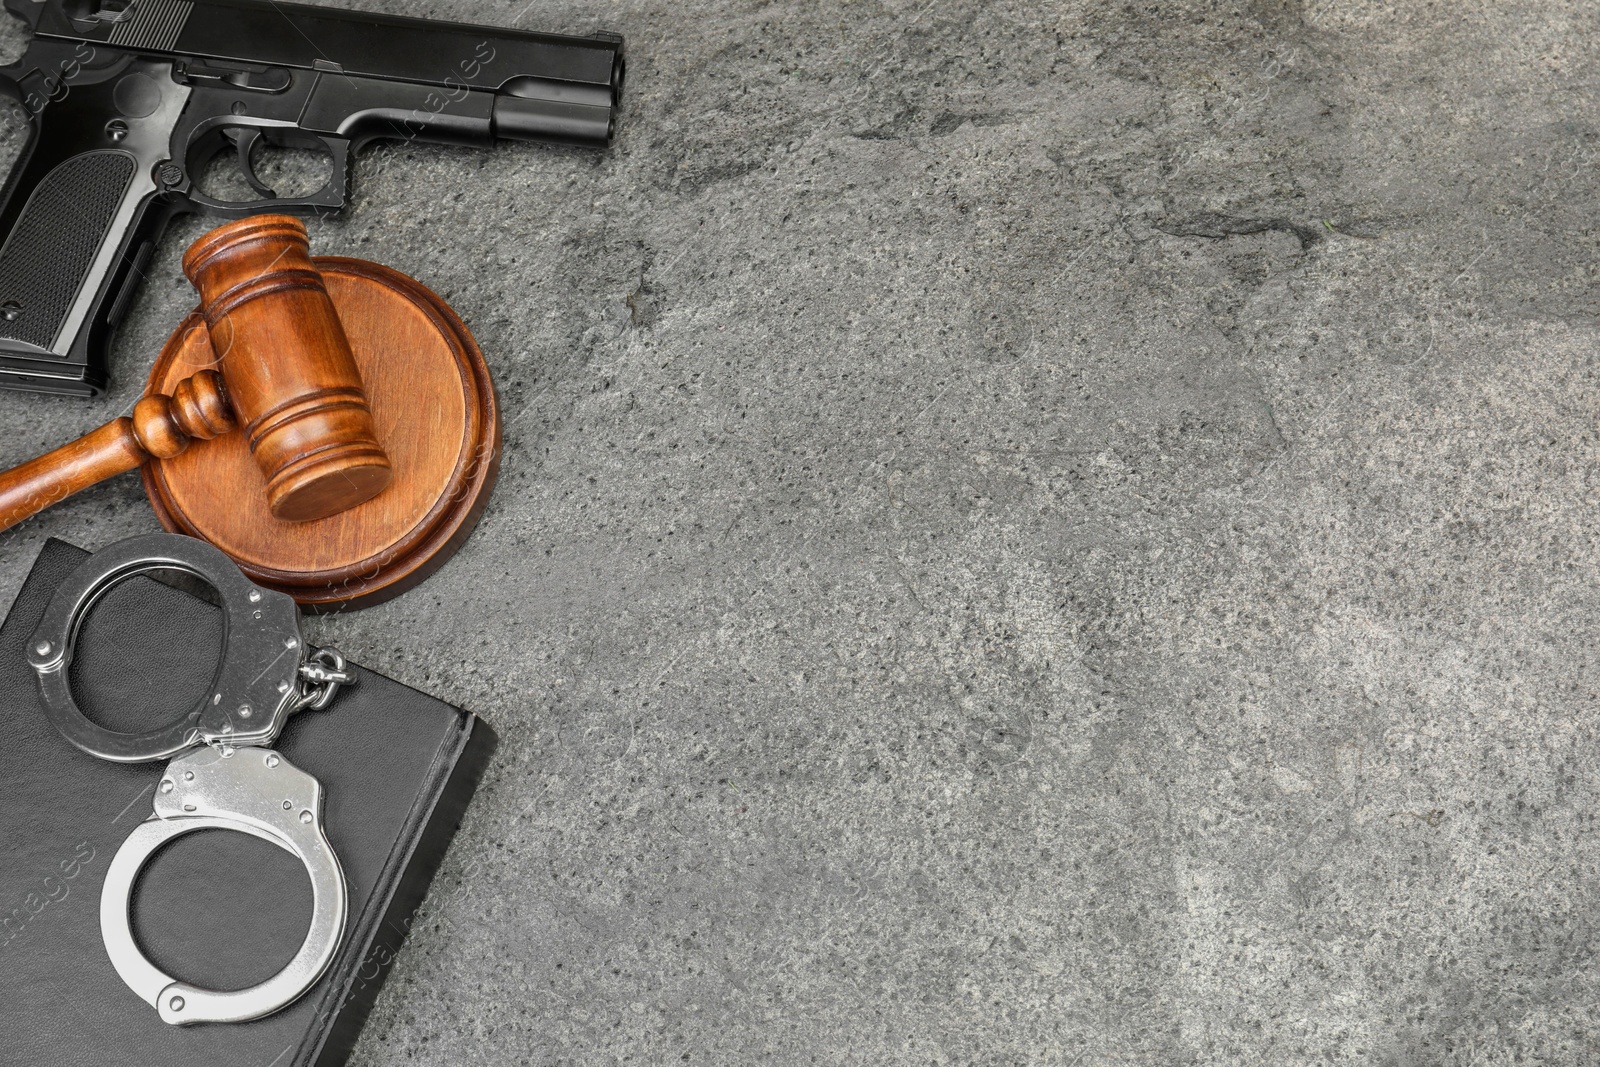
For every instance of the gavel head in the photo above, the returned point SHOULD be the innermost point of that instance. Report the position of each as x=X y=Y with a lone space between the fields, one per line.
x=287 y=368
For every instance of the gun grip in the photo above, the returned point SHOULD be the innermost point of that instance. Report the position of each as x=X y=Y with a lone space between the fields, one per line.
x=49 y=253
x=79 y=214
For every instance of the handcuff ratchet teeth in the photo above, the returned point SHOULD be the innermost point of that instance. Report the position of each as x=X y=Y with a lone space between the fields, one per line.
x=231 y=781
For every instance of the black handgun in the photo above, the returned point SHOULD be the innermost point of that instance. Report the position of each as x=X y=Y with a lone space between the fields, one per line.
x=130 y=99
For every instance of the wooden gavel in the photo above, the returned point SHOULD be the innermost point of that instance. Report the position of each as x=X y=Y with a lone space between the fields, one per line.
x=286 y=375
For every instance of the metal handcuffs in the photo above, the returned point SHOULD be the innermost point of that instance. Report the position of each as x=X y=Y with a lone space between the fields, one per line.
x=222 y=774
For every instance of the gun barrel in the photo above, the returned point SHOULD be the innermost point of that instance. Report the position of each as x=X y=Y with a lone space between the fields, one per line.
x=544 y=86
x=534 y=109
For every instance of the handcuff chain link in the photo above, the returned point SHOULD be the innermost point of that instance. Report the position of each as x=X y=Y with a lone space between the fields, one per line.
x=321 y=675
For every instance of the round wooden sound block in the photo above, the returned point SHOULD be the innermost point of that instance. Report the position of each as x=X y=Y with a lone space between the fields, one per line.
x=434 y=409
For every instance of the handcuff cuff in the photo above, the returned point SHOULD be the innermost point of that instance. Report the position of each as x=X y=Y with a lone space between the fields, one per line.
x=223 y=773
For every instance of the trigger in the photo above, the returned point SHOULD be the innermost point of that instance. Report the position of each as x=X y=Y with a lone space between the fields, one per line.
x=244 y=140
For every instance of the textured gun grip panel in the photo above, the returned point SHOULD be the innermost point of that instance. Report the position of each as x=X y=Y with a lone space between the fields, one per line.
x=47 y=257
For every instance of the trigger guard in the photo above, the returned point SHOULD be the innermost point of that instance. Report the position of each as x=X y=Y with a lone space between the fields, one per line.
x=251 y=781
x=324 y=201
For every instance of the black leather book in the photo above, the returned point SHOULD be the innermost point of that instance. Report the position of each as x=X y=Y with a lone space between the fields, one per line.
x=215 y=908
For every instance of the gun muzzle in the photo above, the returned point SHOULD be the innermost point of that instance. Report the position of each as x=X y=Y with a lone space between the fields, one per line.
x=540 y=109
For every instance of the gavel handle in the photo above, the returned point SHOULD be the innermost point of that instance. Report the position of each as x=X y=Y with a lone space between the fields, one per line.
x=161 y=427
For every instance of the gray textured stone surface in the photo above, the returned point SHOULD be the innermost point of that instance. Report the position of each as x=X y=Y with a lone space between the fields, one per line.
x=1029 y=534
